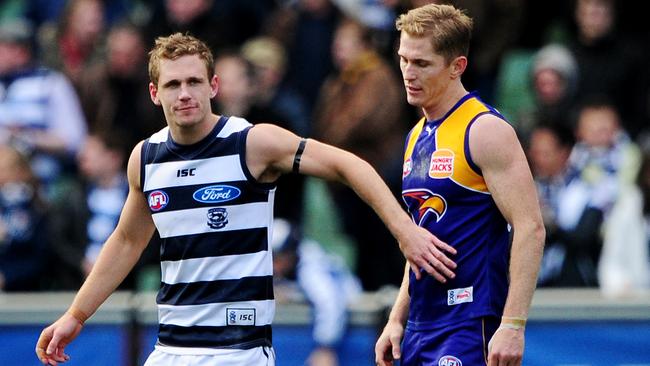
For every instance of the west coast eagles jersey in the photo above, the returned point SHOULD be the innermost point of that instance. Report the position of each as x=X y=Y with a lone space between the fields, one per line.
x=445 y=193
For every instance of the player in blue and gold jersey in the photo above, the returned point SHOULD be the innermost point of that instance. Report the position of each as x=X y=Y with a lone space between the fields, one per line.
x=466 y=180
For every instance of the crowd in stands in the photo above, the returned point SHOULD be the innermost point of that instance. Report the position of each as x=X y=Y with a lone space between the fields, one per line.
x=572 y=78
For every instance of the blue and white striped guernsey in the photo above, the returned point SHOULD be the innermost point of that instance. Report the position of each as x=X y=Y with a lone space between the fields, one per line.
x=215 y=222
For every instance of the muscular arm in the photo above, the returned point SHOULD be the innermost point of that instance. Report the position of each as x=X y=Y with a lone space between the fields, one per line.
x=122 y=249
x=496 y=150
x=118 y=256
x=270 y=152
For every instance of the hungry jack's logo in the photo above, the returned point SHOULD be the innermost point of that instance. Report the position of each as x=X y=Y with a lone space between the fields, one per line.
x=422 y=202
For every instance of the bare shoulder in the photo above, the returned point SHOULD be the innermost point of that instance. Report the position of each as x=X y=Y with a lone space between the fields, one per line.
x=267 y=138
x=492 y=139
x=269 y=150
x=133 y=168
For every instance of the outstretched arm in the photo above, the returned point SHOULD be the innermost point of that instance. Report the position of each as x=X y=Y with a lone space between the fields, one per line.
x=271 y=151
x=118 y=256
x=496 y=150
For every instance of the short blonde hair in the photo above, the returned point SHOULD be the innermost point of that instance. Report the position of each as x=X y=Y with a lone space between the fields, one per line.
x=175 y=46
x=450 y=29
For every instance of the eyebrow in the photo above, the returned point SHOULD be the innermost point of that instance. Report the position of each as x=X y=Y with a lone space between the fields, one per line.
x=174 y=82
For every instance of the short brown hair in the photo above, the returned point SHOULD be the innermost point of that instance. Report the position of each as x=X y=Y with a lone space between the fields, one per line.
x=175 y=46
x=450 y=29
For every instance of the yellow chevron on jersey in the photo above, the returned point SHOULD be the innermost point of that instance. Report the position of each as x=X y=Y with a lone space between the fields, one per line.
x=449 y=159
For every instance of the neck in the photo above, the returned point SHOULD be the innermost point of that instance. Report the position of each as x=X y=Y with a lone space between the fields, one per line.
x=445 y=102
x=193 y=134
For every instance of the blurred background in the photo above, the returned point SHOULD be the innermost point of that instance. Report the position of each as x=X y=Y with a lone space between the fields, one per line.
x=572 y=77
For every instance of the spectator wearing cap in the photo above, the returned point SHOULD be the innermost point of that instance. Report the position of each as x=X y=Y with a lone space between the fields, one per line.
x=554 y=77
x=39 y=109
x=269 y=59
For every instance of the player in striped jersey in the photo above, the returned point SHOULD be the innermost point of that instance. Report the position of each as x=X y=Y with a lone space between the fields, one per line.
x=206 y=183
x=465 y=179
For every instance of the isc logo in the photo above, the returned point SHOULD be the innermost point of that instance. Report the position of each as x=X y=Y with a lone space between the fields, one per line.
x=449 y=361
x=186 y=172
x=239 y=316
x=158 y=200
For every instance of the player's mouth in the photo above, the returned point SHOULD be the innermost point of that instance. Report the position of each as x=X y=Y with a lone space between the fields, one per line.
x=412 y=89
x=185 y=108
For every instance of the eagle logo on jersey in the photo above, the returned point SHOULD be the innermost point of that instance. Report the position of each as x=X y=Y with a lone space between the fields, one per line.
x=422 y=202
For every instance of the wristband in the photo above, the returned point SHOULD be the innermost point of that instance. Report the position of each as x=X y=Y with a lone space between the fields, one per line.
x=78 y=314
x=513 y=322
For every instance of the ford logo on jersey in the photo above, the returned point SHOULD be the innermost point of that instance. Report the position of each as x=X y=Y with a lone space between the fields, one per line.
x=215 y=194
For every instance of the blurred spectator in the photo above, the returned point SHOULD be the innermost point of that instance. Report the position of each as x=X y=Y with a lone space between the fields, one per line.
x=95 y=203
x=269 y=59
x=221 y=24
x=323 y=279
x=497 y=25
x=609 y=64
x=360 y=109
x=548 y=150
x=50 y=11
x=237 y=96
x=102 y=162
x=603 y=160
x=39 y=109
x=307 y=29
x=23 y=233
x=112 y=93
x=76 y=40
x=12 y=9
x=554 y=79
x=624 y=266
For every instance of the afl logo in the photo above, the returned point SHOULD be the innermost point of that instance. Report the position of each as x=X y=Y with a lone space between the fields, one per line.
x=158 y=200
x=449 y=361
x=408 y=166
x=215 y=194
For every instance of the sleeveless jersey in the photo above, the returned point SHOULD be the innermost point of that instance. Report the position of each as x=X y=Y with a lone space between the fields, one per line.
x=445 y=193
x=214 y=221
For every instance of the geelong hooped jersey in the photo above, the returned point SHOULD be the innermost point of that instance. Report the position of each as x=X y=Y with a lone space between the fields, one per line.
x=445 y=193
x=214 y=220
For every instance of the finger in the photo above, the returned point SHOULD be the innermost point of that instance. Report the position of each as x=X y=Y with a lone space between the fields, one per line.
x=442 y=268
x=43 y=341
x=416 y=270
x=428 y=268
x=436 y=269
x=444 y=246
x=397 y=350
x=52 y=345
x=442 y=257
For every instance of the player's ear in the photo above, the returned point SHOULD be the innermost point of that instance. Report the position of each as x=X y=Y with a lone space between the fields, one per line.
x=153 y=93
x=214 y=86
x=458 y=66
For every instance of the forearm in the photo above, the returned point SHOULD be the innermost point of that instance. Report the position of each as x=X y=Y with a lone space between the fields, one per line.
x=366 y=182
x=525 y=257
x=114 y=263
x=400 y=310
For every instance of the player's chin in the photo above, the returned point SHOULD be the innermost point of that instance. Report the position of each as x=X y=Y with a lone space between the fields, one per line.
x=413 y=100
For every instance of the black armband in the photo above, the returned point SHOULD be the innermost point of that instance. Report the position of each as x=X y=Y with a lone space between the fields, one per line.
x=298 y=156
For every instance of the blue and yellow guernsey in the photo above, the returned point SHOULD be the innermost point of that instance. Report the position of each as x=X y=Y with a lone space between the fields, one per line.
x=445 y=193
x=214 y=220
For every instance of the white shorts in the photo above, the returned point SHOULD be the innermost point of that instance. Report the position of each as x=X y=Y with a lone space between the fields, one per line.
x=174 y=356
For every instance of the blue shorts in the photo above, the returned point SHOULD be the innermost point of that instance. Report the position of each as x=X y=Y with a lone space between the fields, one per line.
x=463 y=343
